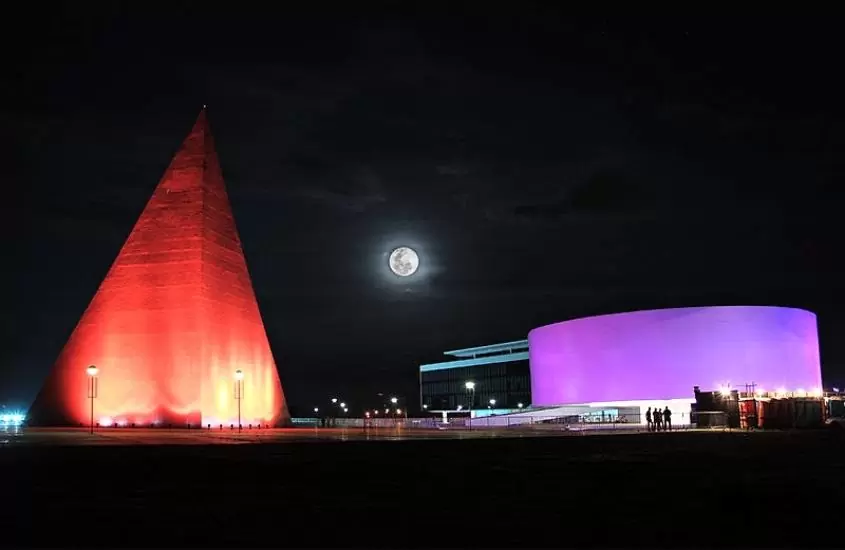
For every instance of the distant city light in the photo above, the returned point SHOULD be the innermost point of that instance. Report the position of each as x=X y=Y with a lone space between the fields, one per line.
x=519 y=405
x=836 y=390
x=492 y=402
x=470 y=385
x=345 y=409
x=342 y=405
x=12 y=419
x=316 y=409
x=398 y=411
x=394 y=400
x=334 y=399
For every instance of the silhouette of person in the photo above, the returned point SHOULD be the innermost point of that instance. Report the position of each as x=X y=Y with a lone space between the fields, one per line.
x=667 y=418
x=648 y=419
x=658 y=419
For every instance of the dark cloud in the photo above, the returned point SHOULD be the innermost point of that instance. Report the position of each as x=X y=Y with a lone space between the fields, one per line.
x=357 y=194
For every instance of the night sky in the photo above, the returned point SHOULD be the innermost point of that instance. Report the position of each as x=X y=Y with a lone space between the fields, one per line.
x=545 y=168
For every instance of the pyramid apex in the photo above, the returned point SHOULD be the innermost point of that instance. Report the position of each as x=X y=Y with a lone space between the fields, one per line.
x=202 y=119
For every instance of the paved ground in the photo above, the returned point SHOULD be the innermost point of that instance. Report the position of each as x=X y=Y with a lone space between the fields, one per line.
x=681 y=489
x=140 y=436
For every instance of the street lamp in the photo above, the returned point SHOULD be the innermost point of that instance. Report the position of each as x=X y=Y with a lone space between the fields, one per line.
x=342 y=405
x=394 y=400
x=470 y=386
x=92 y=390
x=334 y=399
x=239 y=393
x=316 y=409
x=519 y=405
x=492 y=404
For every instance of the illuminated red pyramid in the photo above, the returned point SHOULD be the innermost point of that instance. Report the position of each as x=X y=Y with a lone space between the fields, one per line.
x=173 y=320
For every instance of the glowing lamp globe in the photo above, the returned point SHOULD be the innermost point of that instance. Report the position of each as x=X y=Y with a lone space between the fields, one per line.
x=404 y=261
x=92 y=370
x=239 y=374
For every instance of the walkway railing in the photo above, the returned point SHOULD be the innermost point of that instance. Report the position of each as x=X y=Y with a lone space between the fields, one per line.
x=576 y=423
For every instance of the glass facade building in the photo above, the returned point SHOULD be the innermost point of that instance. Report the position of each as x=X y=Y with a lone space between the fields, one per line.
x=499 y=372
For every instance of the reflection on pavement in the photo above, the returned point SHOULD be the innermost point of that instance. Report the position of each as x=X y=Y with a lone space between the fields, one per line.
x=147 y=436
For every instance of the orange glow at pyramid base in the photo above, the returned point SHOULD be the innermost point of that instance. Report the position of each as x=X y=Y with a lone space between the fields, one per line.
x=174 y=318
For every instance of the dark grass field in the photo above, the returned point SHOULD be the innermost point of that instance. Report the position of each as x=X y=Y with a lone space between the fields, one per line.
x=684 y=489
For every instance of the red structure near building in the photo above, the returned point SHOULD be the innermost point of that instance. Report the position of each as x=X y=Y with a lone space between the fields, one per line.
x=174 y=319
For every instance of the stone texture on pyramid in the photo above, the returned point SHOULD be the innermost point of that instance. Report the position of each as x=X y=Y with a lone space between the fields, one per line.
x=173 y=319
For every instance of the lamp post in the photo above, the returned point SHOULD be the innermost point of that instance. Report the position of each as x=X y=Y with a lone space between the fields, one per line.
x=239 y=393
x=470 y=386
x=92 y=390
x=394 y=401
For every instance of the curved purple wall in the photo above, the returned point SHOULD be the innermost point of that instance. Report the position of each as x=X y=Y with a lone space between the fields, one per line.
x=662 y=354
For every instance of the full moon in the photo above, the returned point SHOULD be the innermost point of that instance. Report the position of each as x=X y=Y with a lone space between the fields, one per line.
x=404 y=261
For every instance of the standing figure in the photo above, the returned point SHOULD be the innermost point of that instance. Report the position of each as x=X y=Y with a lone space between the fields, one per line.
x=648 y=419
x=658 y=419
x=667 y=418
